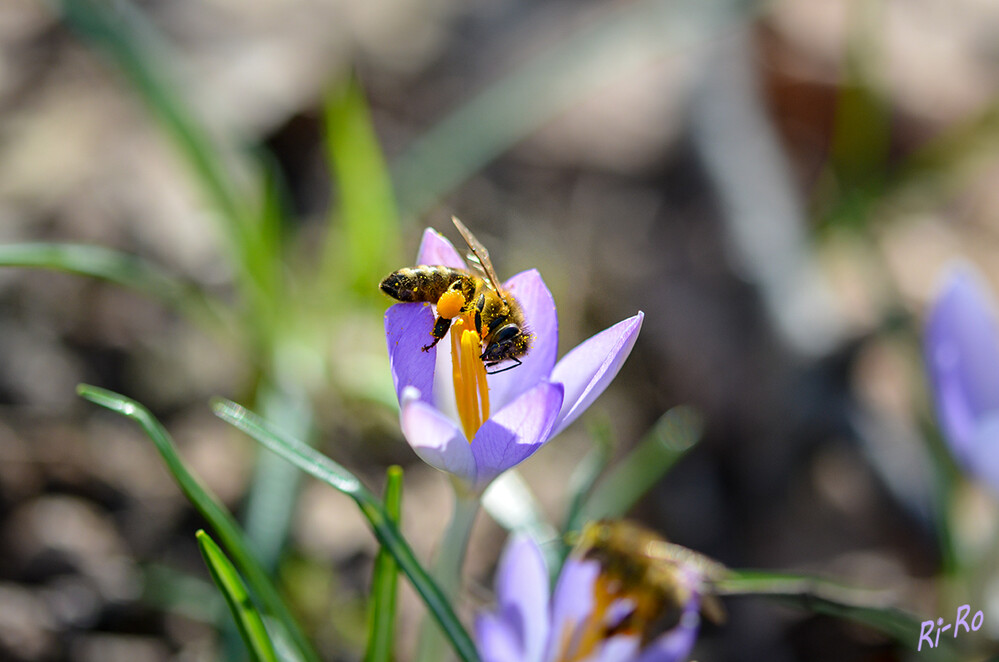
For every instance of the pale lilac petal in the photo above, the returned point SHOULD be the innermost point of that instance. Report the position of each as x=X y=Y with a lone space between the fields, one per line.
x=538 y=305
x=620 y=648
x=572 y=601
x=589 y=368
x=675 y=645
x=618 y=611
x=496 y=640
x=436 y=249
x=982 y=458
x=962 y=351
x=435 y=437
x=407 y=330
x=516 y=431
x=522 y=596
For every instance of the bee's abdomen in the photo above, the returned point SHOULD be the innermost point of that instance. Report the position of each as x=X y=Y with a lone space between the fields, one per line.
x=423 y=283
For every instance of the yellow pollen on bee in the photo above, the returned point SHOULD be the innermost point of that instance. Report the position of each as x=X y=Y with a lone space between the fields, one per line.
x=450 y=304
x=471 y=391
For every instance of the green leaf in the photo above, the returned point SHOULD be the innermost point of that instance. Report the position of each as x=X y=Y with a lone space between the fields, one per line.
x=854 y=183
x=221 y=521
x=244 y=612
x=365 y=244
x=270 y=501
x=121 y=32
x=113 y=266
x=141 y=53
x=586 y=474
x=873 y=608
x=319 y=466
x=381 y=628
x=670 y=438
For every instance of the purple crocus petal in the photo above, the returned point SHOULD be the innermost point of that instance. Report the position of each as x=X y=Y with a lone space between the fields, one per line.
x=435 y=437
x=962 y=350
x=675 y=645
x=496 y=640
x=516 y=431
x=436 y=249
x=589 y=368
x=522 y=597
x=572 y=602
x=982 y=459
x=407 y=331
x=621 y=648
x=539 y=310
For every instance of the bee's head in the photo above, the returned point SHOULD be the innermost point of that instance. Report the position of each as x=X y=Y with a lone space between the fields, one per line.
x=509 y=341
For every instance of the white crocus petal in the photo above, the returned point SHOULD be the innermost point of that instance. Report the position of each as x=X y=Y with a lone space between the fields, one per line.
x=436 y=439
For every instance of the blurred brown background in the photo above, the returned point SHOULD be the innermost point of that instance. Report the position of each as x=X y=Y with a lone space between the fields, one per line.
x=776 y=185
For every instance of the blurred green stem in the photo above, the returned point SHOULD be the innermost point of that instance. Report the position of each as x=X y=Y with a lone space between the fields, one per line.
x=362 y=241
x=274 y=489
x=873 y=608
x=447 y=569
x=381 y=621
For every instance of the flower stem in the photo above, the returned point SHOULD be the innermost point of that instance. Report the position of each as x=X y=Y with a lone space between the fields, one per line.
x=447 y=569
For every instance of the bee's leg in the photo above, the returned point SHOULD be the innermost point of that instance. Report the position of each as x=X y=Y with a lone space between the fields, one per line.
x=509 y=367
x=479 y=306
x=440 y=330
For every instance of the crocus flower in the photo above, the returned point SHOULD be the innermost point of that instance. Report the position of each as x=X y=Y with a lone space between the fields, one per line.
x=473 y=425
x=962 y=352
x=579 y=622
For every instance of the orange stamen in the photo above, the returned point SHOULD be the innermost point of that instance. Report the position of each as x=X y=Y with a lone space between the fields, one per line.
x=471 y=391
x=580 y=640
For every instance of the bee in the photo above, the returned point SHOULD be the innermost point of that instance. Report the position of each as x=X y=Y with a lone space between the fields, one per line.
x=499 y=318
x=638 y=564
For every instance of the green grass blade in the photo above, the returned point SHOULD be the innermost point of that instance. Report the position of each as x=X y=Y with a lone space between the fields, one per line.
x=586 y=474
x=113 y=266
x=319 y=466
x=269 y=506
x=873 y=608
x=670 y=438
x=381 y=629
x=860 y=148
x=121 y=32
x=221 y=521
x=366 y=243
x=273 y=212
x=244 y=612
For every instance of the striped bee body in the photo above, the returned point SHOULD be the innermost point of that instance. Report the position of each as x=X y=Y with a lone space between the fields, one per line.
x=497 y=315
x=427 y=283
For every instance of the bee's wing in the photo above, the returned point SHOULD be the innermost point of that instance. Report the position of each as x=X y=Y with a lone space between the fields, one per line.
x=668 y=552
x=481 y=259
x=475 y=265
x=710 y=570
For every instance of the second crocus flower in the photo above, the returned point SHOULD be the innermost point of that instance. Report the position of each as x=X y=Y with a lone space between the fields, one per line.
x=578 y=622
x=962 y=355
